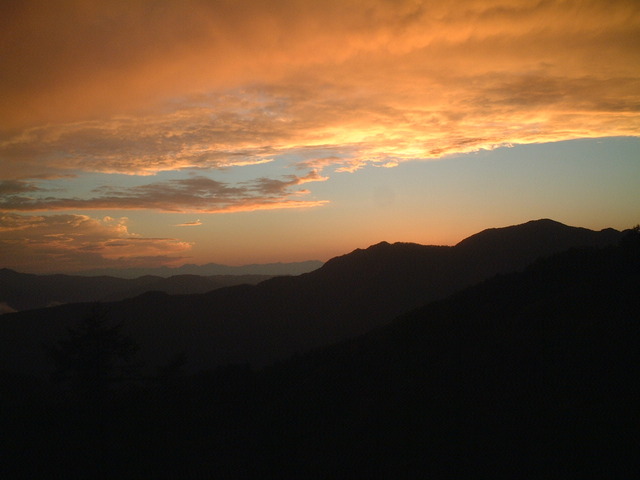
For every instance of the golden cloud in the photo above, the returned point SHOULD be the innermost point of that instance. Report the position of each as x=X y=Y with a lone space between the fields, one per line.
x=61 y=61
x=213 y=85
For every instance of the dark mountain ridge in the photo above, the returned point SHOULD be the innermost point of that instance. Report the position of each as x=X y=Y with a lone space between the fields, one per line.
x=515 y=244
x=525 y=375
x=348 y=296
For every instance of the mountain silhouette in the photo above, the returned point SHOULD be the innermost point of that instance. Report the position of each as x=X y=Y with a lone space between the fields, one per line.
x=526 y=375
x=23 y=291
x=260 y=324
x=502 y=248
x=210 y=269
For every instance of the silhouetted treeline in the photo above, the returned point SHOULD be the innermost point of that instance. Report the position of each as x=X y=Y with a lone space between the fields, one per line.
x=527 y=375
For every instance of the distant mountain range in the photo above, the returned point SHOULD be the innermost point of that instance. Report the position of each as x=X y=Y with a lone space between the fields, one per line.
x=531 y=374
x=25 y=291
x=210 y=269
x=262 y=323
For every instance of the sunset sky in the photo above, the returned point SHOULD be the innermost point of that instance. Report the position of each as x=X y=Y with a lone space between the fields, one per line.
x=148 y=133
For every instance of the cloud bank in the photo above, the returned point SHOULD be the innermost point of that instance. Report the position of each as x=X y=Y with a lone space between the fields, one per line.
x=217 y=84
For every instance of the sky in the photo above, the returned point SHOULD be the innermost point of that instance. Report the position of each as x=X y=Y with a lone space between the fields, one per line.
x=148 y=133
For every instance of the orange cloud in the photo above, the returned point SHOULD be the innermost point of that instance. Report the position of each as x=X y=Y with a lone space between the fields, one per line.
x=215 y=85
x=41 y=244
x=459 y=115
x=250 y=206
x=61 y=62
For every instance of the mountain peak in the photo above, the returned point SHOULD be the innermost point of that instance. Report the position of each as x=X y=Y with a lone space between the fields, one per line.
x=382 y=244
x=517 y=245
x=532 y=226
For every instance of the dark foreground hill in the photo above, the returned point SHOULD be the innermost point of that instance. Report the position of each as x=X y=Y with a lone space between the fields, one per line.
x=528 y=375
x=348 y=296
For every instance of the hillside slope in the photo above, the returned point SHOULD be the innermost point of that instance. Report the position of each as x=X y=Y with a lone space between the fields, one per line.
x=348 y=296
x=528 y=375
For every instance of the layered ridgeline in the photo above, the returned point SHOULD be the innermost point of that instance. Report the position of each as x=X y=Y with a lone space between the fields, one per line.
x=23 y=291
x=259 y=324
x=526 y=375
x=210 y=269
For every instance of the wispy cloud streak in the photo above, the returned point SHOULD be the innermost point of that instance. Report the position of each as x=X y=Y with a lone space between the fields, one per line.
x=195 y=223
x=194 y=194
